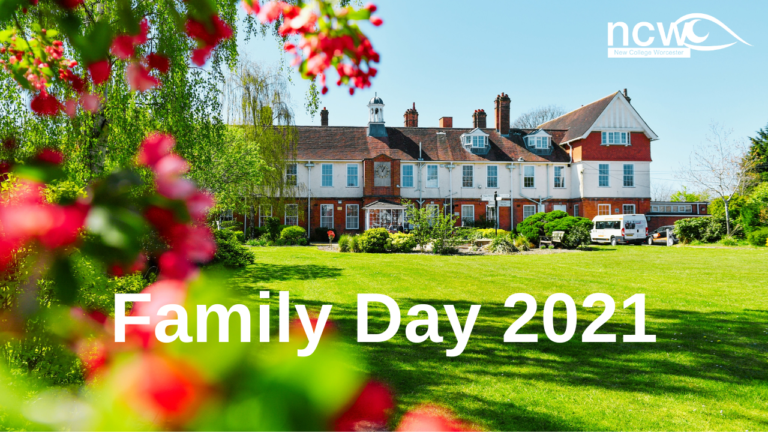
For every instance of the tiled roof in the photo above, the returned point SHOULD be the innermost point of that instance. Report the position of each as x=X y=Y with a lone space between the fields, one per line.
x=438 y=144
x=578 y=121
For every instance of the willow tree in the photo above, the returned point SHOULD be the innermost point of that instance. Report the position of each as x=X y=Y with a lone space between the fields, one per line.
x=260 y=143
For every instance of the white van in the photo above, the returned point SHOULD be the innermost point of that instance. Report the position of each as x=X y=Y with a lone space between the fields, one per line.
x=615 y=229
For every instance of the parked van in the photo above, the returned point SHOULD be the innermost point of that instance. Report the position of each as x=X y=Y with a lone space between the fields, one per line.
x=615 y=229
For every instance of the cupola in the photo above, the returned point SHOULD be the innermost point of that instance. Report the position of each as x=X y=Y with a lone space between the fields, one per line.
x=376 y=117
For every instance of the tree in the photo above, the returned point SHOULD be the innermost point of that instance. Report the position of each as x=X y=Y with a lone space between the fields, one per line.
x=661 y=191
x=537 y=116
x=758 y=151
x=720 y=167
x=432 y=226
x=684 y=195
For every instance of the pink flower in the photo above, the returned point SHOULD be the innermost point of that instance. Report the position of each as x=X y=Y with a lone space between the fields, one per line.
x=174 y=188
x=371 y=7
x=431 y=418
x=51 y=156
x=70 y=107
x=195 y=242
x=174 y=265
x=139 y=78
x=122 y=47
x=271 y=11
x=198 y=205
x=159 y=62
x=376 y=21
x=154 y=147
x=168 y=291
x=46 y=105
x=90 y=102
x=200 y=55
x=99 y=71
x=251 y=6
x=369 y=411
x=171 y=165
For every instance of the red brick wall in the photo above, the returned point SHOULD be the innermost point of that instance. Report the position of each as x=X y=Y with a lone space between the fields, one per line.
x=339 y=214
x=481 y=211
x=369 y=189
x=592 y=149
x=659 y=221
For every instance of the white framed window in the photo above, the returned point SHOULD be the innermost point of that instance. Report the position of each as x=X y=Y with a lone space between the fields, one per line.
x=265 y=211
x=468 y=140
x=326 y=216
x=352 y=178
x=655 y=209
x=467 y=176
x=628 y=209
x=291 y=174
x=490 y=212
x=467 y=214
x=603 y=209
x=291 y=214
x=353 y=216
x=615 y=138
x=542 y=142
x=327 y=175
x=604 y=175
x=559 y=177
x=478 y=142
x=227 y=216
x=432 y=176
x=528 y=210
x=529 y=176
x=492 y=176
x=407 y=176
x=629 y=175
x=687 y=209
x=575 y=209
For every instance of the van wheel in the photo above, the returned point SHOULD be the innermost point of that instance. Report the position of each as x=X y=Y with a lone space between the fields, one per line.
x=650 y=241
x=614 y=242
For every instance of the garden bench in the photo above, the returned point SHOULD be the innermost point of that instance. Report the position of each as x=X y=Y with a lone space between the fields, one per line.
x=557 y=237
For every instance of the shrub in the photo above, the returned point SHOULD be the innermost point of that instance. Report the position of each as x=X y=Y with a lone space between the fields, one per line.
x=490 y=233
x=344 y=243
x=302 y=241
x=272 y=225
x=758 y=237
x=704 y=229
x=567 y=224
x=321 y=234
x=354 y=244
x=401 y=243
x=502 y=244
x=577 y=236
x=521 y=243
x=229 y=251
x=729 y=241
x=481 y=223
x=533 y=227
x=374 y=240
x=292 y=234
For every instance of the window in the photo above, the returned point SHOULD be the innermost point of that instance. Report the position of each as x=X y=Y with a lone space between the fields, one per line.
x=291 y=171
x=604 y=181
x=431 y=176
x=265 y=211
x=615 y=138
x=353 y=216
x=352 y=175
x=407 y=176
x=227 y=216
x=467 y=176
x=492 y=176
x=629 y=175
x=490 y=212
x=603 y=209
x=685 y=209
x=291 y=214
x=478 y=142
x=559 y=178
x=468 y=140
x=327 y=172
x=467 y=214
x=542 y=142
x=434 y=211
x=628 y=209
x=528 y=179
x=326 y=216
x=528 y=210
x=608 y=225
x=655 y=209
x=575 y=209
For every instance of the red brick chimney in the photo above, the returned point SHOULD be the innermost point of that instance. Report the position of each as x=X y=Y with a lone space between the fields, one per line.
x=478 y=119
x=446 y=122
x=324 y=117
x=411 y=117
x=501 y=112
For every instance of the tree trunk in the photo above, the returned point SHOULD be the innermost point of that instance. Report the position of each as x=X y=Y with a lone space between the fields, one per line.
x=727 y=218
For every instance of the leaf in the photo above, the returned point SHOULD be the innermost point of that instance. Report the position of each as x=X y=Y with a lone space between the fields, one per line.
x=8 y=7
x=65 y=284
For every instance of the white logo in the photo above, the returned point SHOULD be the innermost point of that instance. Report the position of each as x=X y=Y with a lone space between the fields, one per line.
x=686 y=40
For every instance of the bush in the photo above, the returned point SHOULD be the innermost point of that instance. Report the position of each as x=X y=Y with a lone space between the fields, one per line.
x=344 y=243
x=502 y=244
x=567 y=224
x=401 y=243
x=229 y=251
x=521 y=243
x=292 y=234
x=533 y=227
x=374 y=240
x=704 y=229
x=758 y=237
x=272 y=225
x=480 y=223
x=321 y=234
x=576 y=237
x=302 y=241
x=729 y=241
x=465 y=233
x=490 y=233
x=354 y=244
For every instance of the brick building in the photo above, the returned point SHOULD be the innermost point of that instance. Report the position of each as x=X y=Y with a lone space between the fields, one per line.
x=591 y=161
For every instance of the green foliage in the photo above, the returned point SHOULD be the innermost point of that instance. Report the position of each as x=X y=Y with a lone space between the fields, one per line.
x=229 y=251
x=344 y=243
x=502 y=244
x=703 y=229
x=273 y=227
x=758 y=152
x=355 y=243
x=521 y=243
x=533 y=226
x=481 y=223
x=567 y=224
x=576 y=237
x=465 y=234
x=374 y=240
x=758 y=237
x=292 y=234
x=684 y=195
x=490 y=233
x=735 y=205
x=401 y=243
x=434 y=227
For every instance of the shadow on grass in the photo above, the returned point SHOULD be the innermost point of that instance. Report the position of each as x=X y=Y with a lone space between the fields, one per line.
x=263 y=273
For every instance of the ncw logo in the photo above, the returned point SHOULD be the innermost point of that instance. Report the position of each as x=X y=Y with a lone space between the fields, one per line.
x=685 y=39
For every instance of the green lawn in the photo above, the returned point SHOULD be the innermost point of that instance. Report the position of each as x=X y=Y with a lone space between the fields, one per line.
x=708 y=308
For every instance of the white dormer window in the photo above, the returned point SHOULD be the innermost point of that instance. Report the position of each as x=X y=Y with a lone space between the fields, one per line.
x=478 y=141
x=539 y=140
x=475 y=141
x=615 y=138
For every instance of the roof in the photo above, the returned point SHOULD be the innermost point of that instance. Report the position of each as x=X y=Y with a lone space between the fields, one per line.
x=384 y=204
x=577 y=122
x=438 y=144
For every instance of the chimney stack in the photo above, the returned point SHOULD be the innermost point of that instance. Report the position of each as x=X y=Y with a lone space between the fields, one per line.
x=446 y=122
x=478 y=119
x=626 y=96
x=501 y=112
x=324 y=117
x=411 y=117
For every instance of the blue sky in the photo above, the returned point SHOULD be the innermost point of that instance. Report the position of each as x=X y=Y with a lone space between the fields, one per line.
x=453 y=57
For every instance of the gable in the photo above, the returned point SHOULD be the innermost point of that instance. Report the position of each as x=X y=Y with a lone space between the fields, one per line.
x=621 y=115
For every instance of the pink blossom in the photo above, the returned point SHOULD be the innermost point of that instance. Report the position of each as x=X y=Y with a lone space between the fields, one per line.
x=154 y=147
x=139 y=78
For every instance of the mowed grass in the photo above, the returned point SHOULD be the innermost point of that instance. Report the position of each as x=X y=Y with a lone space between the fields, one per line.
x=708 y=308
